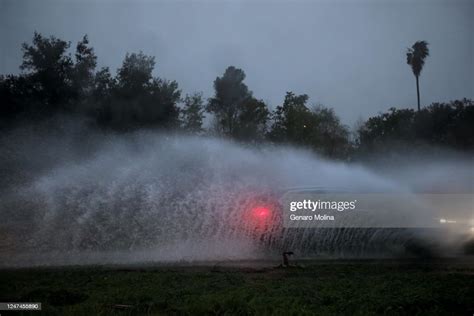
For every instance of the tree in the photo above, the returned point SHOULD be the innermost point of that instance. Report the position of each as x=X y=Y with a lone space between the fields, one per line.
x=50 y=70
x=291 y=119
x=16 y=97
x=251 y=121
x=230 y=94
x=103 y=84
x=137 y=99
x=51 y=81
x=387 y=129
x=193 y=113
x=447 y=124
x=416 y=56
x=439 y=124
x=328 y=135
x=100 y=100
x=161 y=108
x=86 y=61
x=135 y=74
x=319 y=129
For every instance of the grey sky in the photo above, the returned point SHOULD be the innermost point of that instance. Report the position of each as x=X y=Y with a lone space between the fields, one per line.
x=349 y=55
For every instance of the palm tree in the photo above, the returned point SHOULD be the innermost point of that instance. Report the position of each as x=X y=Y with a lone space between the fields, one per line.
x=416 y=56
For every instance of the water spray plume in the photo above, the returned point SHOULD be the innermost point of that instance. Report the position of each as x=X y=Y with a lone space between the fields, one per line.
x=154 y=197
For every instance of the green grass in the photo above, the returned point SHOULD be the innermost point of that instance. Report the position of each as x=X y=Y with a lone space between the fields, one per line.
x=348 y=288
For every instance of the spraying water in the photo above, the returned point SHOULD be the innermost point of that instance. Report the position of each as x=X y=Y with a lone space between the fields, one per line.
x=155 y=197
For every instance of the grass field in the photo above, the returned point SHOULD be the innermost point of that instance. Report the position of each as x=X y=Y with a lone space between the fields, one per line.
x=322 y=288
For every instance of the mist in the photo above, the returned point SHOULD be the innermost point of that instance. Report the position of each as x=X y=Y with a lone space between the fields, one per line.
x=76 y=195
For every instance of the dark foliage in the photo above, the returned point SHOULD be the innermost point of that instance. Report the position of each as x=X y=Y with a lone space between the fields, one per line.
x=238 y=114
x=318 y=128
x=53 y=82
x=192 y=114
x=440 y=124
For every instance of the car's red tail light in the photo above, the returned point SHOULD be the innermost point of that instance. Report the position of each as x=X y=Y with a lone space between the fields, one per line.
x=261 y=212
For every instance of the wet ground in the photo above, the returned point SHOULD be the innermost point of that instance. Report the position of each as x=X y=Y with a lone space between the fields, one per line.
x=308 y=287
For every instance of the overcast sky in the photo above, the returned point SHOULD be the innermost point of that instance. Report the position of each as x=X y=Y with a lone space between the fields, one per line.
x=349 y=55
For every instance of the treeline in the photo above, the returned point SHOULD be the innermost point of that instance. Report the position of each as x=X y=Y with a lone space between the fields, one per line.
x=55 y=81
x=440 y=124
